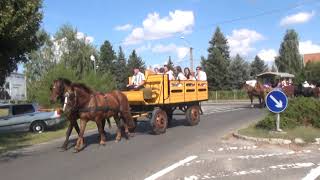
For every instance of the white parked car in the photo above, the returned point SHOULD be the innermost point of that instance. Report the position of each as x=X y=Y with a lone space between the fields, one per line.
x=26 y=117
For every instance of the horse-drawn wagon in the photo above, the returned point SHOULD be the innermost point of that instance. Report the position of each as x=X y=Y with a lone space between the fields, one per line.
x=161 y=97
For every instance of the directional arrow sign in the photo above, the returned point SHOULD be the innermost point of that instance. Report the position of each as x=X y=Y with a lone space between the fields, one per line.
x=276 y=101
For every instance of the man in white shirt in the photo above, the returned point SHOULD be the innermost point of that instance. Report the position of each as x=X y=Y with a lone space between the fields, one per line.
x=169 y=72
x=201 y=75
x=137 y=81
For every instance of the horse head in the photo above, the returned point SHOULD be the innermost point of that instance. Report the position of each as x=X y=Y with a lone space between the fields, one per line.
x=58 y=88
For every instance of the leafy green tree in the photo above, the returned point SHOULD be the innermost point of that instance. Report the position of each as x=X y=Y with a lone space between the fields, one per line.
x=120 y=72
x=39 y=91
x=203 y=62
x=312 y=72
x=257 y=66
x=289 y=59
x=107 y=56
x=40 y=60
x=238 y=72
x=100 y=81
x=19 y=22
x=74 y=52
x=135 y=61
x=170 y=64
x=218 y=60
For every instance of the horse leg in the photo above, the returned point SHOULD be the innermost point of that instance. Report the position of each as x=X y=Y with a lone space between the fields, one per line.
x=100 y=125
x=117 y=120
x=80 y=140
x=72 y=124
x=251 y=99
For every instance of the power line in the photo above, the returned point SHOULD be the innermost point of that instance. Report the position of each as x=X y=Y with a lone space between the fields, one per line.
x=264 y=13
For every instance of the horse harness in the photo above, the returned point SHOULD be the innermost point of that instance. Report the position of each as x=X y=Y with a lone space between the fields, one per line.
x=87 y=109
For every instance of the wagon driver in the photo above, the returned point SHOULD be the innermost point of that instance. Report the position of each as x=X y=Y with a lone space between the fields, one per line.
x=137 y=81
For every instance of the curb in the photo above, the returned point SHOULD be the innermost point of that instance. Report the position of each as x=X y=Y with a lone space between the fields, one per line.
x=277 y=141
x=266 y=140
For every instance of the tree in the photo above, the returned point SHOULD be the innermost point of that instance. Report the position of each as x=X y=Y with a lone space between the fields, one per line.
x=203 y=62
x=170 y=64
x=40 y=60
x=238 y=72
x=135 y=61
x=218 y=60
x=257 y=66
x=274 y=68
x=107 y=55
x=312 y=71
x=121 y=77
x=75 y=52
x=20 y=21
x=289 y=59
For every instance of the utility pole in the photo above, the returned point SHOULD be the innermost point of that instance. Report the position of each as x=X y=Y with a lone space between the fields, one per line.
x=191 y=59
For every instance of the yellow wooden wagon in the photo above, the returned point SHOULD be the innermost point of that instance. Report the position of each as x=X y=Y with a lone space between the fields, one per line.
x=161 y=97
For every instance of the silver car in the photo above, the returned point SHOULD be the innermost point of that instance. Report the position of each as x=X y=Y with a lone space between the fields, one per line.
x=26 y=117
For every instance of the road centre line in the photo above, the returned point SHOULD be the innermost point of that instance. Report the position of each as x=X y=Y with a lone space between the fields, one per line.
x=313 y=174
x=170 y=168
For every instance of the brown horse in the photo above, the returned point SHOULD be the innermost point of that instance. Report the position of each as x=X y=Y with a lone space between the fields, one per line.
x=258 y=91
x=95 y=106
x=63 y=87
x=58 y=90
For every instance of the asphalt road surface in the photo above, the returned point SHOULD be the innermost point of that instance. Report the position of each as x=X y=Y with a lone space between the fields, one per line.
x=200 y=152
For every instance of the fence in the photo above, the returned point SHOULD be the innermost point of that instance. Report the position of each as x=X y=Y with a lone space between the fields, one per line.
x=228 y=95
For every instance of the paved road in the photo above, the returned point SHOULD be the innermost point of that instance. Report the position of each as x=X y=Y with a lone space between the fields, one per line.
x=200 y=152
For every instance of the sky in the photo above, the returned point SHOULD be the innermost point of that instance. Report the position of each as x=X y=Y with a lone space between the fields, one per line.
x=161 y=28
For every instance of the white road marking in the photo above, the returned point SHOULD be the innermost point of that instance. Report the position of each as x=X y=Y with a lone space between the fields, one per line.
x=236 y=148
x=219 y=110
x=170 y=168
x=313 y=174
x=272 y=154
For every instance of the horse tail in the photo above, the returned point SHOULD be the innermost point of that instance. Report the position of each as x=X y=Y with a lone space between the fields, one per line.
x=109 y=123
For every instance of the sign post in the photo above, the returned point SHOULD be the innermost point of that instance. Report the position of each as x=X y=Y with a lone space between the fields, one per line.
x=277 y=102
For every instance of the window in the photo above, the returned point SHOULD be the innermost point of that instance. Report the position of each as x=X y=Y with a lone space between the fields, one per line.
x=4 y=111
x=22 y=109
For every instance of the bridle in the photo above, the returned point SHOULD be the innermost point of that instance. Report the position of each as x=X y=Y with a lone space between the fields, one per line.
x=67 y=96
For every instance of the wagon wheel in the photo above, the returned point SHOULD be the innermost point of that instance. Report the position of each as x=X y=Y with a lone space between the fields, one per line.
x=193 y=115
x=159 y=121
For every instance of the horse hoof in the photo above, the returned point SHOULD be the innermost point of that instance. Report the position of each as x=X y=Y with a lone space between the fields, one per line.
x=103 y=143
x=76 y=150
x=63 y=149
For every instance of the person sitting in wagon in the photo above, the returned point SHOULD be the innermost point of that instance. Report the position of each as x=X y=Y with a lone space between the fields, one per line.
x=169 y=72
x=137 y=81
x=179 y=75
x=201 y=75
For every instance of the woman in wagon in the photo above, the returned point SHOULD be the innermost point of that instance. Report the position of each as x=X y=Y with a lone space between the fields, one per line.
x=137 y=81
x=179 y=75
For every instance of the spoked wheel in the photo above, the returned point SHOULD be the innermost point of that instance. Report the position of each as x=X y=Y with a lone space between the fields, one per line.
x=159 y=121
x=193 y=115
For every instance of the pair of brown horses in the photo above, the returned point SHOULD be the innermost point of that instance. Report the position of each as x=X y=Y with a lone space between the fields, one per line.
x=261 y=91
x=80 y=102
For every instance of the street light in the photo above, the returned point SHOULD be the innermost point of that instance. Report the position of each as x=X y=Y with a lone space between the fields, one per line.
x=191 y=57
x=94 y=62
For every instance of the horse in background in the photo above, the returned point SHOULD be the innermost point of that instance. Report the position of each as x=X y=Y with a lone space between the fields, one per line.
x=256 y=89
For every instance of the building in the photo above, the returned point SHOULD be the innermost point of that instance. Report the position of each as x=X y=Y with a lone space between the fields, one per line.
x=314 y=57
x=15 y=85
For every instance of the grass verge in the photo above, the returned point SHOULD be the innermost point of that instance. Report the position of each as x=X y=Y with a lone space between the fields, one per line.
x=19 y=140
x=308 y=134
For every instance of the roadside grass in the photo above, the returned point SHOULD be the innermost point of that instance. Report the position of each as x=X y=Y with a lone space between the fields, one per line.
x=14 y=141
x=308 y=134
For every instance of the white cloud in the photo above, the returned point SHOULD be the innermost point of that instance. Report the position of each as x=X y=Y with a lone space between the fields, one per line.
x=298 y=18
x=125 y=27
x=267 y=55
x=241 y=41
x=88 y=39
x=154 y=27
x=307 y=47
x=181 y=51
x=144 y=48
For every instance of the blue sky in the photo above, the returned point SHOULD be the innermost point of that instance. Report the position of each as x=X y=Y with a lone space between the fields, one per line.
x=154 y=28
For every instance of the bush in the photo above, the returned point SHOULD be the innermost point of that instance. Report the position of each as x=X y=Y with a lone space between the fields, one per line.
x=300 y=112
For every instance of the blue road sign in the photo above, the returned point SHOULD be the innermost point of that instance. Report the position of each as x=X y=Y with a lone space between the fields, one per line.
x=276 y=101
